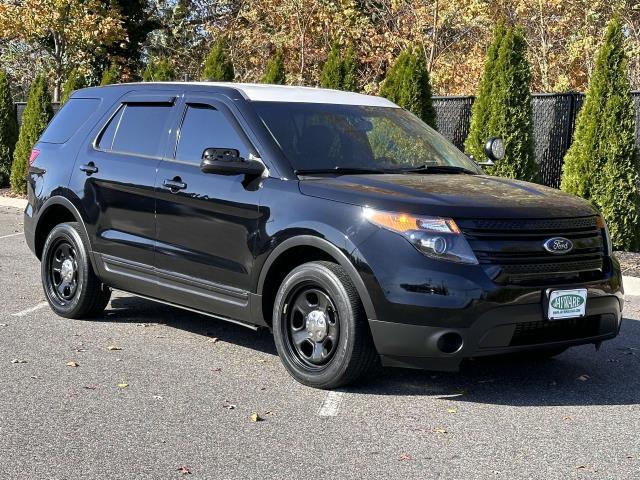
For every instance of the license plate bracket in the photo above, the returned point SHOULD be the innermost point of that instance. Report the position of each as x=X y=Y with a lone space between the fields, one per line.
x=562 y=304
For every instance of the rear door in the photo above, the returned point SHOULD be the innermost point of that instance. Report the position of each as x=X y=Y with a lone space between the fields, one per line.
x=115 y=179
x=206 y=223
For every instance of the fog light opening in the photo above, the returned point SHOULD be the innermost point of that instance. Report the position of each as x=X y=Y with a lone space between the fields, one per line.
x=450 y=342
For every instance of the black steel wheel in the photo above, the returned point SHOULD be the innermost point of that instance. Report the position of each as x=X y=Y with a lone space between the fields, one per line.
x=72 y=288
x=320 y=328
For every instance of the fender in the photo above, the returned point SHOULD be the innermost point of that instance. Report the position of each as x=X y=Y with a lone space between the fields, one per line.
x=65 y=202
x=330 y=249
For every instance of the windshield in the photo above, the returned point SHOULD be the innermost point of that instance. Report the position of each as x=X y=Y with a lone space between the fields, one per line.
x=317 y=136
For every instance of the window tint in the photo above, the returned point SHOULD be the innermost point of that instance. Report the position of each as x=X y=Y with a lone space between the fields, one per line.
x=106 y=139
x=69 y=119
x=205 y=127
x=143 y=129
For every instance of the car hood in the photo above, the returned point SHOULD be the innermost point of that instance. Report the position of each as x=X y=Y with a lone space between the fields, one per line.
x=455 y=195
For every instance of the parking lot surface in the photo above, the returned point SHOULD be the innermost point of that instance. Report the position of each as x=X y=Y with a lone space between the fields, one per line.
x=152 y=392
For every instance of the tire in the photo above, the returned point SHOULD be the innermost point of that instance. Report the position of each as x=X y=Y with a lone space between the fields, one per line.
x=71 y=286
x=320 y=329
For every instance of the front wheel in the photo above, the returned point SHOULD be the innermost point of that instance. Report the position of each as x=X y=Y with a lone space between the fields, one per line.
x=320 y=328
x=72 y=288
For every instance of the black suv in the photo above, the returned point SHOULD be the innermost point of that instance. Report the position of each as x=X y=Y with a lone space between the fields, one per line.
x=340 y=221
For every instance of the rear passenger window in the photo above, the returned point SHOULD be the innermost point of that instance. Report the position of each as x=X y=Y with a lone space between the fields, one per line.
x=205 y=127
x=69 y=119
x=109 y=133
x=140 y=129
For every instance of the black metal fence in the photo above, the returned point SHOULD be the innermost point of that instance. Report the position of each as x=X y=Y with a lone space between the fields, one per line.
x=554 y=117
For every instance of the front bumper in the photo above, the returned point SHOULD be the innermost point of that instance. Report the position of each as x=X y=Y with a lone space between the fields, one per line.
x=506 y=329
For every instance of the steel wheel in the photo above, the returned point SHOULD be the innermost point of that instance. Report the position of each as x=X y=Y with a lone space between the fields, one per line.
x=312 y=326
x=63 y=271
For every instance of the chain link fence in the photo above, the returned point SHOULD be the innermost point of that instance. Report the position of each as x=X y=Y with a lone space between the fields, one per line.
x=554 y=117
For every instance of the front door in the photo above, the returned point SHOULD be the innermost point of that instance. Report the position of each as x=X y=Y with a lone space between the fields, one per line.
x=206 y=223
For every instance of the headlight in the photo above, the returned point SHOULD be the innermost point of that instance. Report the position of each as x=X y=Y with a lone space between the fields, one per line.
x=435 y=237
x=602 y=225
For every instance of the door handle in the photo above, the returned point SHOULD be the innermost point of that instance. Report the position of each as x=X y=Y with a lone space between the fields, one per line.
x=175 y=184
x=90 y=168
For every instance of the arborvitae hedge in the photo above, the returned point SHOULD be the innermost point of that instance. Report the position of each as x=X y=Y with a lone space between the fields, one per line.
x=159 y=71
x=74 y=82
x=340 y=72
x=511 y=114
x=110 y=75
x=479 y=128
x=218 y=65
x=350 y=66
x=407 y=84
x=35 y=118
x=602 y=163
x=275 y=73
x=331 y=76
x=8 y=129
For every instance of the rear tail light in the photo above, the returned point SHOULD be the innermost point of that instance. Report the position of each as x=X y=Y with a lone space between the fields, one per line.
x=34 y=154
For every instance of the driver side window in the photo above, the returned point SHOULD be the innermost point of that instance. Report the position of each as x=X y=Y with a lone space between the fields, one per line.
x=204 y=127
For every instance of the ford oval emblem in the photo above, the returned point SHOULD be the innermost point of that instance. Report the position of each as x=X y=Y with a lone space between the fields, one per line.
x=558 y=245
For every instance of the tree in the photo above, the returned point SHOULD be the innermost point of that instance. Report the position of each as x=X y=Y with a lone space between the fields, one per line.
x=511 y=114
x=407 y=84
x=602 y=163
x=159 y=71
x=74 y=82
x=350 y=67
x=218 y=65
x=70 y=32
x=481 y=109
x=338 y=72
x=331 y=76
x=8 y=129
x=111 y=75
x=275 y=73
x=35 y=118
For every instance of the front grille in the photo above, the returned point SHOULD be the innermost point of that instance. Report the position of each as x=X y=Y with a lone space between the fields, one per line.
x=512 y=251
x=532 y=333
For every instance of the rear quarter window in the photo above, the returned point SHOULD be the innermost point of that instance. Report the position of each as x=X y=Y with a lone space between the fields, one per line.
x=73 y=115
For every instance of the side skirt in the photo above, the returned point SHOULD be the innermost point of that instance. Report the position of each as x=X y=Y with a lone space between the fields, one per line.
x=212 y=315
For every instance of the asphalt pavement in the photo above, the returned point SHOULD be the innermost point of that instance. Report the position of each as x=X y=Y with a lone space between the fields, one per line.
x=152 y=392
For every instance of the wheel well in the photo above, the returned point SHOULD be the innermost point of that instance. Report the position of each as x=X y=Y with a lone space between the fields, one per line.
x=54 y=215
x=286 y=262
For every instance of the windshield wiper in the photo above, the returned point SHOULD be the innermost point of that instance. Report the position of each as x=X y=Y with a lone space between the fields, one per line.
x=340 y=171
x=438 y=169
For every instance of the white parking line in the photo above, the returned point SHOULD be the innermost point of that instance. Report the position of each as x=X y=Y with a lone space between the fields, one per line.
x=11 y=235
x=30 y=310
x=331 y=405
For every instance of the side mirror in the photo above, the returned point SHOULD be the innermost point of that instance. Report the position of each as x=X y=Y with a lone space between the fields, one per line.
x=494 y=150
x=227 y=161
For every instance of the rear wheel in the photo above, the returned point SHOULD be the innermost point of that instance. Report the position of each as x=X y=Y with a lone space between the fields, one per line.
x=320 y=329
x=72 y=288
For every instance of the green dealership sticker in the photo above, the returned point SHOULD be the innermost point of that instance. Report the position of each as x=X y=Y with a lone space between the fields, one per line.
x=567 y=303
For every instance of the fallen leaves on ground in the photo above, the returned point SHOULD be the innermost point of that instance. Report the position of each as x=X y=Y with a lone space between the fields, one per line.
x=255 y=417
x=228 y=405
x=452 y=410
x=3 y=325
x=440 y=430
x=123 y=385
x=405 y=457
x=19 y=360
x=567 y=418
x=113 y=348
x=216 y=369
x=73 y=364
x=184 y=470
x=213 y=340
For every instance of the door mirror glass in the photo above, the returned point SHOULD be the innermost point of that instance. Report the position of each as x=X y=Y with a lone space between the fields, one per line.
x=227 y=161
x=494 y=149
